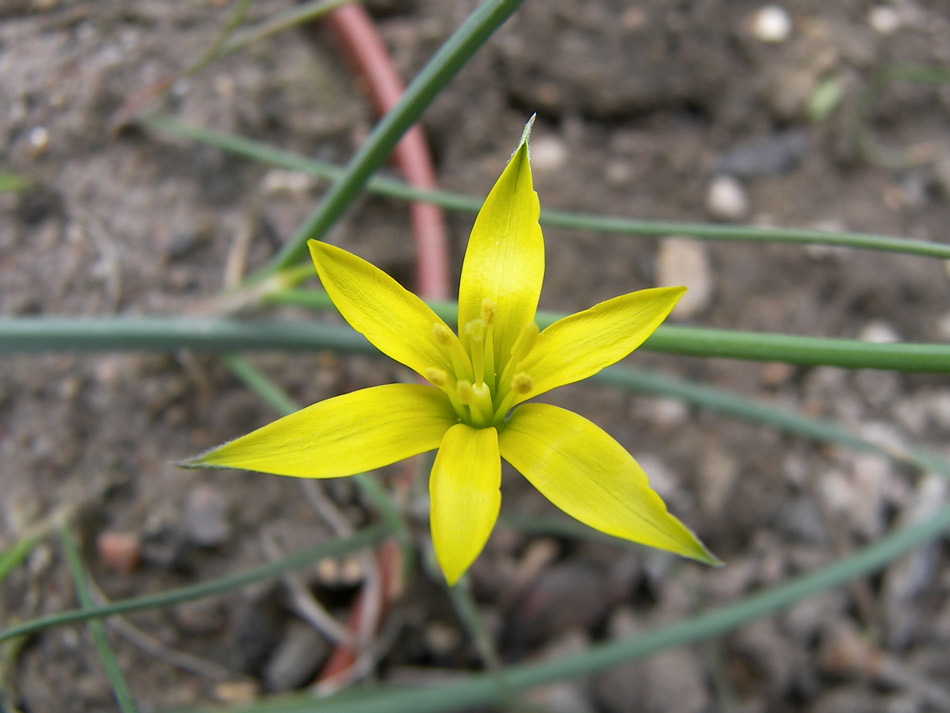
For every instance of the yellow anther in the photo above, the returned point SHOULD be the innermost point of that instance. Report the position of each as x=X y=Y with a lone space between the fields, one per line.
x=525 y=342
x=436 y=377
x=488 y=311
x=475 y=331
x=466 y=392
x=521 y=383
x=443 y=335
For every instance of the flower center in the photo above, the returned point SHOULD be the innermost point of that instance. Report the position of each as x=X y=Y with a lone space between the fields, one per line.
x=481 y=391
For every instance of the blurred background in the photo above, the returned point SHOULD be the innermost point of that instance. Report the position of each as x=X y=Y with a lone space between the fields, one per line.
x=710 y=111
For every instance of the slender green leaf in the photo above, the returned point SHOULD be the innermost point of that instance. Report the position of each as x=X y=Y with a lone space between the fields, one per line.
x=120 y=688
x=481 y=689
x=77 y=334
x=444 y=65
x=551 y=218
x=365 y=538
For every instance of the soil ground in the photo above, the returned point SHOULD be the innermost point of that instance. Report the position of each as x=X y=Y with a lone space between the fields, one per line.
x=646 y=110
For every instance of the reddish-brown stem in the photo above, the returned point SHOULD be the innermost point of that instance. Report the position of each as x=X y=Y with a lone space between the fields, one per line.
x=365 y=48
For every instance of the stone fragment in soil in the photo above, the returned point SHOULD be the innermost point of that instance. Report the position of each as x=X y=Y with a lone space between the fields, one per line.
x=682 y=261
x=718 y=473
x=726 y=199
x=771 y=24
x=768 y=655
x=911 y=576
x=671 y=680
x=200 y=617
x=297 y=658
x=768 y=155
x=563 y=597
x=118 y=551
x=206 y=517
x=565 y=696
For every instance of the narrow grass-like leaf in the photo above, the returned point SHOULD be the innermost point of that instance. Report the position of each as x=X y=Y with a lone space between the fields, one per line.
x=78 y=334
x=120 y=688
x=393 y=188
x=14 y=554
x=729 y=402
x=13 y=182
x=336 y=548
x=869 y=148
x=481 y=689
x=444 y=65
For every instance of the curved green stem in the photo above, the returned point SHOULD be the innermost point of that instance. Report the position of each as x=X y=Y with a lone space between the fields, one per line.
x=870 y=149
x=120 y=689
x=551 y=218
x=364 y=538
x=449 y=59
x=77 y=334
x=481 y=689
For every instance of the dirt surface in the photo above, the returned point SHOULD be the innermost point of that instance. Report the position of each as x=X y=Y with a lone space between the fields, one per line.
x=668 y=110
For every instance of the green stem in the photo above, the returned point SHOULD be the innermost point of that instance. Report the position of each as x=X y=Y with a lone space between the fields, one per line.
x=364 y=538
x=76 y=334
x=870 y=149
x=481 y=689
x=120 y=688
x=449 y=59
x=550 y=218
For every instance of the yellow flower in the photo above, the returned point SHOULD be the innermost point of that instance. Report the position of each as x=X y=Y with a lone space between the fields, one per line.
x=473 y=411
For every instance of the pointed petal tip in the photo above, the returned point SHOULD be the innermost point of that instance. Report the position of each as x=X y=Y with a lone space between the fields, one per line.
x=526 y=133
x=705 y=556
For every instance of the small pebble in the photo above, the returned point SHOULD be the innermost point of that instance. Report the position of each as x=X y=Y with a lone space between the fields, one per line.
x=769 y=155
x=206 y=517
x=775 y=373
x=38 y=138
x=879 y=333
x=548 y=154
x=119 y=551
x=884 y=19
x=771 y=23
x=236 y=692
x=726 y=199
x=297 y=657
x=681 y=261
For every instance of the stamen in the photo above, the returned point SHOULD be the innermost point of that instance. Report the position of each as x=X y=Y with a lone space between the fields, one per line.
x=488 y=317
x=475 y=331
x=460 y=361
x=488 y=311
x=520 y=385
x=436 y=377
x=443 y=335
x=466 y=392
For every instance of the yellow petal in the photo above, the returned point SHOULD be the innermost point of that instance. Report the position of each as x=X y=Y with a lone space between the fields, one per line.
x=504 y=261
x=344 y=435
x=590 y=476
x=465 y=496
x=392 y=318
x=580 y=345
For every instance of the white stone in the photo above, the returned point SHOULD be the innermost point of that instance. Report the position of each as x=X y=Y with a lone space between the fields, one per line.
x=726 y=199
x=681 y=261
x=879 y=333
x=548 y=154
x=771 y=23
x=885 y=20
